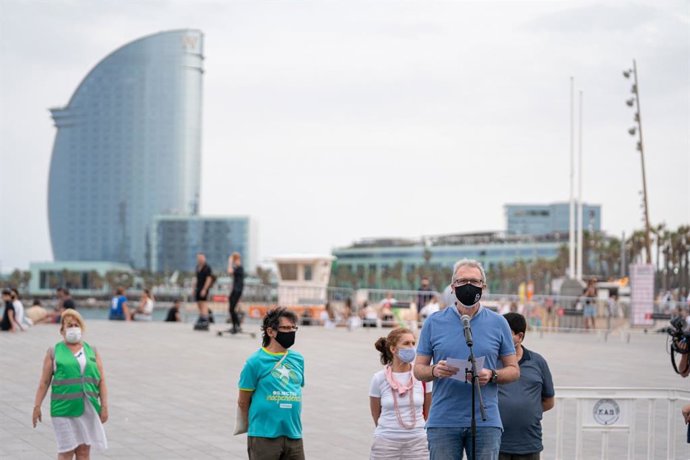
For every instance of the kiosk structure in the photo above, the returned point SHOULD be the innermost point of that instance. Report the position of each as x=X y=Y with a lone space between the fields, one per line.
x=302 y=284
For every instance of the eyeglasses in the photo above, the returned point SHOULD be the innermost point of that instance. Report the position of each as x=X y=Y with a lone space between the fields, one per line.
x=287 y=328
x=464 y=281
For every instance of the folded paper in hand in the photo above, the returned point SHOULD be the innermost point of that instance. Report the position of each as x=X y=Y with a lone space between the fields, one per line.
x=241 y=424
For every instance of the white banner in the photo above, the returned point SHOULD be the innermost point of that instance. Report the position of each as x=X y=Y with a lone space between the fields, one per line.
x=606 y=413
x=642 y=294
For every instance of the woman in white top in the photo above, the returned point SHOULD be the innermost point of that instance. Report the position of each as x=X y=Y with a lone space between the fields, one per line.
x=144 y=311
x=399 y=402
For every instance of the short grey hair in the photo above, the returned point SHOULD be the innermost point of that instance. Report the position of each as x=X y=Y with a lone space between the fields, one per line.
x=468 y=263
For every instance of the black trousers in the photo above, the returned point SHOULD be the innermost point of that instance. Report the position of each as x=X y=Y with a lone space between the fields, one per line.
x=234 y=300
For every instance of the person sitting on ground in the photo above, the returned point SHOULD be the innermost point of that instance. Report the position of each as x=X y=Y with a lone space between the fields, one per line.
x=37 y=314
x=119 y=310
x=8 y=322
x=306 y=318
x=65 y=300
x=369 y=315
x=328 y=317
x=144 y=311
x=387 y=317
x=23 y=322
x=174 y=312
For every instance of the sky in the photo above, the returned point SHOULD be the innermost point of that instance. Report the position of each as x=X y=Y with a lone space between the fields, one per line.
x=332 y=121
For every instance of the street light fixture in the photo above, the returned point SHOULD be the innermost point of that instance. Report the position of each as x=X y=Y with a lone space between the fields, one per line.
x=640 y=146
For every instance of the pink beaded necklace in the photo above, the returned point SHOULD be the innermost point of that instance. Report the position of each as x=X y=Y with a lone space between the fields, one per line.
x=397 y=387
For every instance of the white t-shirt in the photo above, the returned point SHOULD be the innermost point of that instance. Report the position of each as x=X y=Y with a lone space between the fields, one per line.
x=148 y=307
x=19 y=313
x=388 y=426
x=147 y=315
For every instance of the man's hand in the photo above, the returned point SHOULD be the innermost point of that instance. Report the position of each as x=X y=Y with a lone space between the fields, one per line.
x=442 y=370
x=686 y=413
x=484 y=376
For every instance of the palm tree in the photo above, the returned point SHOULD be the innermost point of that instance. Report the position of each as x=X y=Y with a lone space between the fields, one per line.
x=264 y=275
x=397 y=274
x=635 y=246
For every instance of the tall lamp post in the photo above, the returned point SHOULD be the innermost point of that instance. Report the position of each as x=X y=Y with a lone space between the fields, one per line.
x=635 y=100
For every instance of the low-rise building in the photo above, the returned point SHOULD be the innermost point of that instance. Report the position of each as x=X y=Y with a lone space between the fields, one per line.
x=176 y=240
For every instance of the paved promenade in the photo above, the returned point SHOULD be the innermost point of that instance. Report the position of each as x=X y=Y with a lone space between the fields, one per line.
x=173 y=390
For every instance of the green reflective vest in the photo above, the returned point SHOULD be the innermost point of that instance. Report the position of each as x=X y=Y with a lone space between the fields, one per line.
x=70 y=386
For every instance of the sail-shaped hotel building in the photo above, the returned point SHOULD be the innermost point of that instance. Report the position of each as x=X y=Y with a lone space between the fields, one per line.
x=127 y=148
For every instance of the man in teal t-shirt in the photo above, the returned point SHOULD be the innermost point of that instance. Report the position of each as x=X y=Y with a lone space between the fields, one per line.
x=270 y=395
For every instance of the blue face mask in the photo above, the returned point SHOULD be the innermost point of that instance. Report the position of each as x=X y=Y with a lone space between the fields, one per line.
x=406 y=355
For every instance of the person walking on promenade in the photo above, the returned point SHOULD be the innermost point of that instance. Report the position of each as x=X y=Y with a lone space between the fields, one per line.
x=449 y=425
x=398 y=401
x=202 y=284
x=235 y=270
x=119 y=308
x=522 y=403
x=590 y=308
x=79 y=395
x=270 y=392
x=424 y=294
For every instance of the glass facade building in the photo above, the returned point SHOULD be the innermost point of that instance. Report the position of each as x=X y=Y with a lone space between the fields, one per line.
x=176 y=240
x=127 y=148
x=547 y=219
x=370 y=259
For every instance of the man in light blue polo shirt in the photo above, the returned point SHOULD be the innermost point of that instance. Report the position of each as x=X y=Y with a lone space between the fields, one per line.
x=442 y=337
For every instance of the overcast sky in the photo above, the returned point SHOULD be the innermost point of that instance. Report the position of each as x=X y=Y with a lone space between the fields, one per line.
x=330 y=121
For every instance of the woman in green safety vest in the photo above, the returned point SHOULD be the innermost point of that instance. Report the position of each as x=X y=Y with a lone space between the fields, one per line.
x=79 y=396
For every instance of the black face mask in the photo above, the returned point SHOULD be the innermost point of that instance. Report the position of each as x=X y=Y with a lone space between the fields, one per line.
x=286 y=339
x=468 y=295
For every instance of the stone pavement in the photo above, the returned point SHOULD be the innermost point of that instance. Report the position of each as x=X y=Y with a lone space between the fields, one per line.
x=173 y=390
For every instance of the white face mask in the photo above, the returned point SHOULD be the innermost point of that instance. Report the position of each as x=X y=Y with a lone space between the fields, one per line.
x=73 y=334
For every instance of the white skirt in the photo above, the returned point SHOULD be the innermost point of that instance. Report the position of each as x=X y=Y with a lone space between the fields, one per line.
x=71 y=432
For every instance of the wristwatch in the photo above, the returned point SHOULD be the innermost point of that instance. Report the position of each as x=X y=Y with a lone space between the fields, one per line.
x=494 y=376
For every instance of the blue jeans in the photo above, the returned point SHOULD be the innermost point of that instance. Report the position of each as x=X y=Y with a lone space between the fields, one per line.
x=449 y=443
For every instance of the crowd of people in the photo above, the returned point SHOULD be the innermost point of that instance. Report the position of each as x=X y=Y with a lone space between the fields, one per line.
x=17 y=318
x=421 y=401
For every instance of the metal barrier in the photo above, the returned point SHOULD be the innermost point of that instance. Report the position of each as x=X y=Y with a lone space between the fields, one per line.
x=552 y=313
x=617 y=416
x=544 y=313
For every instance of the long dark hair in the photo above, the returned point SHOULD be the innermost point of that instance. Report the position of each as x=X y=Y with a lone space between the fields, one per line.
x=384 y=344
x=272 y=320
